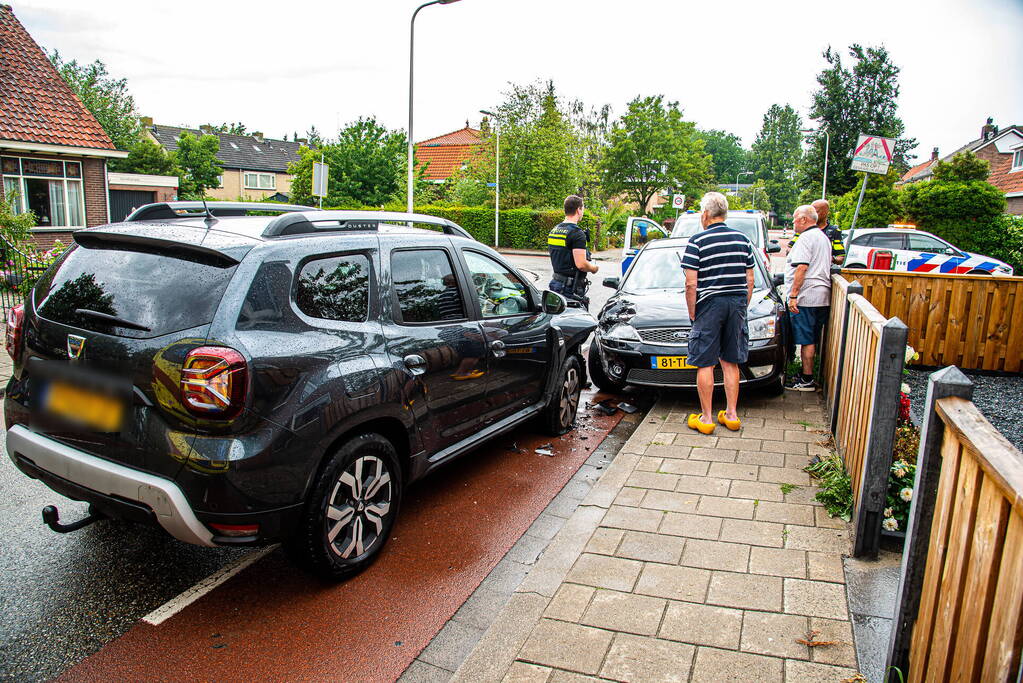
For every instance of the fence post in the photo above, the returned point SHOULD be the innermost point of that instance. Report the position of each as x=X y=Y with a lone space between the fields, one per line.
x=944 y=383
x=854 y=288
x=884 y=416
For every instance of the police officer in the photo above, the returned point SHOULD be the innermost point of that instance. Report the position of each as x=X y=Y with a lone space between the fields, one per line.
x=833 y=234
x=569 y=255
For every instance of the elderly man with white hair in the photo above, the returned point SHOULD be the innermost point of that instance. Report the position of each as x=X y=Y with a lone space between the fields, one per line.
x=808 y=280
x=718 y=264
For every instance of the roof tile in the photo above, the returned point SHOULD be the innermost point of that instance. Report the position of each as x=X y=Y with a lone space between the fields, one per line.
x=238 y=151
x=36 y=105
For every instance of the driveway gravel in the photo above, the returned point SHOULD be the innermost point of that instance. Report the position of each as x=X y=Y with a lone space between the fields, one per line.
x=999 y=397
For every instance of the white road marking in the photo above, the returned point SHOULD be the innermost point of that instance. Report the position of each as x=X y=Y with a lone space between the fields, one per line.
x=176 y=604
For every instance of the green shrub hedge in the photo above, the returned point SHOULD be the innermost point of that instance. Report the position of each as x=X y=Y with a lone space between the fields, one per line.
x=519 y=229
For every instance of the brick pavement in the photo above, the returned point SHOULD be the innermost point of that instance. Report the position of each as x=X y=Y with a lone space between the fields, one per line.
x=693 y=558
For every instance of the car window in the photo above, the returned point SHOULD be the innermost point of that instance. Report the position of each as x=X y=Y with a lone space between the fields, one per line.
x=500 y=291
x=662 y=269
x=425 y=284
x=335 y=288
x=644 y=231
x=750 y=226
x=880 y=240
x=926 y=243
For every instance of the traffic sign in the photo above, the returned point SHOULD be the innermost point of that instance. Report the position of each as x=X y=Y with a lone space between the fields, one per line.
x=873 y=154
x=320 y=179
x=678 y=201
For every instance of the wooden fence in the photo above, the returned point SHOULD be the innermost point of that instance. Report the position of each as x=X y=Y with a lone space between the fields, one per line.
x=959 y=611
x=971 y=321
x=862 y=374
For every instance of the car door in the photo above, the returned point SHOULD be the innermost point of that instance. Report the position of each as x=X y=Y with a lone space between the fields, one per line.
x=514 y=331
x=439 y=345
x=894 y=242
x=639 y=231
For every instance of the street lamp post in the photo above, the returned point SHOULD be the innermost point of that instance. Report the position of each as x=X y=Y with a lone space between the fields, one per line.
x=411 y=64
x=497 y=177
x=741 y=173
x=827 y=150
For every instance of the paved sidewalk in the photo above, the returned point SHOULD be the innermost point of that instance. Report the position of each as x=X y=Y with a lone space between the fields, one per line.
x=694 y=558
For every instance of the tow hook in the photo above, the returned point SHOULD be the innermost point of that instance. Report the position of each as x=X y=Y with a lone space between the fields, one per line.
x=51 y=519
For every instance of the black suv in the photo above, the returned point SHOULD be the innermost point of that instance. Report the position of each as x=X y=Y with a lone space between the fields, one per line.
x=242 y=379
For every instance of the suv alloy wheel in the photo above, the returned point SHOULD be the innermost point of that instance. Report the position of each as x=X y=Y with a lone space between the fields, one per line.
x=559 y=415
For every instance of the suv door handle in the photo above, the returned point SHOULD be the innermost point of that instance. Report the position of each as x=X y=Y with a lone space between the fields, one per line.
x=497 y=347
x=416 y=365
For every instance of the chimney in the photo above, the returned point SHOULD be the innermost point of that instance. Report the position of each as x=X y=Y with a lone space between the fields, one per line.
x=934 y=154
x=989 y=129
x=146 y=121
x=258 y=136
x=304 y=141
x=206 y=129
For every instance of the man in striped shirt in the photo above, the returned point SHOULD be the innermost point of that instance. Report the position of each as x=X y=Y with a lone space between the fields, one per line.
x=718 y=264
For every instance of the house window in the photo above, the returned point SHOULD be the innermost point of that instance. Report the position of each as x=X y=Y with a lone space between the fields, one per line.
x=260 y=181
x=1017 y=160
x=50 y=189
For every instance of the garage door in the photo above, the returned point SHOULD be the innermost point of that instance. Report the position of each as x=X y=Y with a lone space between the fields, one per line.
x=123 y=202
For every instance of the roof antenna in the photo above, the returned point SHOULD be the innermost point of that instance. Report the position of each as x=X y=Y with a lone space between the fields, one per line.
x=210 y=218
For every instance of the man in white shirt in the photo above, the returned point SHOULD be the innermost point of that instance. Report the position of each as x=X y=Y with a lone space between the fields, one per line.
x=808 y=280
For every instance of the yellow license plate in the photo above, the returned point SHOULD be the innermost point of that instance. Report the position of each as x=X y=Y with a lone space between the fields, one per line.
x=85 y=407
x=670 y=363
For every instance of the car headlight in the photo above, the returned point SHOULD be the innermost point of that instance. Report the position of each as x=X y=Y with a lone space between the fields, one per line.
x=622 y=332
x=762 y=328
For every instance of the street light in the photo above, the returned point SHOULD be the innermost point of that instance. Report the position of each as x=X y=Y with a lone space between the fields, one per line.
x=411 y=55
x=497 y=176
x=741 y=173
x=827 y=149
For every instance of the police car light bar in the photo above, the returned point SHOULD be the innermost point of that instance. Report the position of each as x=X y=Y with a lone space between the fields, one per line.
x=904 y=226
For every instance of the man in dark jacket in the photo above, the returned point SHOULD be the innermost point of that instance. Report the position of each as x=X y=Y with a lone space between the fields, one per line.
x=566 y=244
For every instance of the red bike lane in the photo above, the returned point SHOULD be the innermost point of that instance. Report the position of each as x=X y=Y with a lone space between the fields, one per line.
x=272 y=621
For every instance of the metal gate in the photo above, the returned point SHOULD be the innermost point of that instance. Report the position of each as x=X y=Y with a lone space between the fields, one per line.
x=123 y=202
x=15 y=266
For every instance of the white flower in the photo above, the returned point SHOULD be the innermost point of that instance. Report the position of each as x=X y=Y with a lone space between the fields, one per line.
x=890 y=524
x=887 y=512
x=905 y=389
x=906 y=494
x=910 y=354
x=900 y=473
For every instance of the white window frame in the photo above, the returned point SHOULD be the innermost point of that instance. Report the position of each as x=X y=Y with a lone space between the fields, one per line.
x=1017 y=159
x=22 y=204
x=257 y=184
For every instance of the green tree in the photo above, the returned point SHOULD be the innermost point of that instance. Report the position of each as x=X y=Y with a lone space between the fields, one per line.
x=863 y=99
x=197 y=158
x=727 y=155
x=367 y=166
x=959 y=205
x=881 y=203
x=237 y=128
x=653 y=149
x=775 y=157
x=107 y=98
x=146 y=156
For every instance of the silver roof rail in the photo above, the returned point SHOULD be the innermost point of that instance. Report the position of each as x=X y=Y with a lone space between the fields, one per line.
x=308 y=222
x=189 y=209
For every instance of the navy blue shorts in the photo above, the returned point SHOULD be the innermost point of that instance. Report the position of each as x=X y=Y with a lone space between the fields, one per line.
x=719 y=332
x=808 y=323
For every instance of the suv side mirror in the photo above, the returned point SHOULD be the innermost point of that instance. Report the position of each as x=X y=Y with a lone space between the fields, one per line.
x=554 y=303
x=778 y=279
x=949 y=251
x=773 y=247
x=611 y=282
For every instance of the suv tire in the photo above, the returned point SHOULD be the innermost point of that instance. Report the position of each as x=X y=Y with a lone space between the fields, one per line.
x=559 y=415
x=351 y=509
x=596 y=369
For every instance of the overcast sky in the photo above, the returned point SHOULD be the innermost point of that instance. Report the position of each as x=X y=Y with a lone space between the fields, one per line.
x=283 y=66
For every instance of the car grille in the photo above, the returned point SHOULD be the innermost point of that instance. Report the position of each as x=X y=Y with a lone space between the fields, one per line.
x=666 y=336
x=678 y=378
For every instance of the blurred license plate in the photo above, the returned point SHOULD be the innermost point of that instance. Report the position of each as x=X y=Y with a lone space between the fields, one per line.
x=97 y=411
x=670 y=363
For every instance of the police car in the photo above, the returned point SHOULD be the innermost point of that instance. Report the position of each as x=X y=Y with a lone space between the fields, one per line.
x=904 y=248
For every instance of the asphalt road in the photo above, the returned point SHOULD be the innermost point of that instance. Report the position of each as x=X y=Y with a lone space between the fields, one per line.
x=64 y=596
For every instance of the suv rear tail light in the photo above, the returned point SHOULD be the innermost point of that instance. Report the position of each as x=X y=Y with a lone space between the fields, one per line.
x=213 y=382
x=15 y=324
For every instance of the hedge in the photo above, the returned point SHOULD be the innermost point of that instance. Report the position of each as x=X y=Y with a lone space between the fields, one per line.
x=519 y=229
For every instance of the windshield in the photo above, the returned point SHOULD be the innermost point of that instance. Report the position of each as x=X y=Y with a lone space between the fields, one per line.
x=662 y=269
x=687 y=226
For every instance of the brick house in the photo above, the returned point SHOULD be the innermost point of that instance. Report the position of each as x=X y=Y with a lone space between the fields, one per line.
x=1002 y=149
x=445 y=154
x=255 y=167
x=53 y=152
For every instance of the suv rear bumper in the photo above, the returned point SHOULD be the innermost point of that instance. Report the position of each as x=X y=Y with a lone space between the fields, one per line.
x=109 y=480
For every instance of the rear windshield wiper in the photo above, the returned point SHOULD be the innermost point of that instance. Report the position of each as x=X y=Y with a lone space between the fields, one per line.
x=113 y=319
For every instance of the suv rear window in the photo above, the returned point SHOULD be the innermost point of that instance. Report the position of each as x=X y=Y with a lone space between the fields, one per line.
x=152 y=290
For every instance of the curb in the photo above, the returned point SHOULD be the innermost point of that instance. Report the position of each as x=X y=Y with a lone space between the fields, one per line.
x=497 y=649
